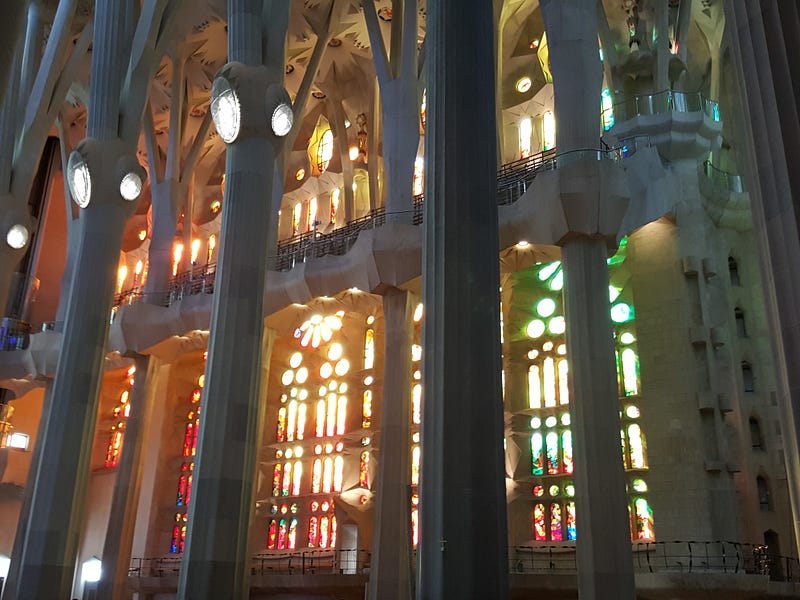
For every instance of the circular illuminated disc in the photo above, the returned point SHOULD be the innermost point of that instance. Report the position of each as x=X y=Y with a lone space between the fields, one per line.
x=557 y=325
x=287 y=377
x=545 y=307
x=342 y=367
x=282 y=119
x=17 y=236
x=80 y=184
x=621 y=313
x=295 y=360
x=632 y=412
x=227 y=114
x=130 y=187
x=535 y=329
x=335 y=352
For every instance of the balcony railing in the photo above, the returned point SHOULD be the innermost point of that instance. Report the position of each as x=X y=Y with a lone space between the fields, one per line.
x=712 y=557
x=14 y=334
x=668 y=101
x=513 y=180
x=723 y=179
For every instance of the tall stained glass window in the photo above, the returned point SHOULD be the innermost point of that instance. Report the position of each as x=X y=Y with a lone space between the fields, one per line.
x=119 y=414
x=537 y=312
x=183 y=496
x=315 y=390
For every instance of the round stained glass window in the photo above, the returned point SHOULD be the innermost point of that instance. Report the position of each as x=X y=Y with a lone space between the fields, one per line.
x=535 y=329
x=545 y=307
x=557 y=325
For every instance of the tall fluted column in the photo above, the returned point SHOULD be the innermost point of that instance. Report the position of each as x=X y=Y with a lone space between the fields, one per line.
x=463 y=530
x=390 y=567
x=605 y=563
x=116 y=556
x=216 y=560
x=51 y=538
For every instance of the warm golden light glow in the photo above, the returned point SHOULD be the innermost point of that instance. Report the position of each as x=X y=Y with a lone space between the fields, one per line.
x=177 y=255
x=353 y=152
x=215 y=206
x=142 y=234
x=195 y=250
x=122 y=275
x=212 y=243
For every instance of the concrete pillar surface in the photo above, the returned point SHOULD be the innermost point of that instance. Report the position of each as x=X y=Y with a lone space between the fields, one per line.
x=216 y=559
x=390 y=567
x=605 y=563
x=463 y=530
x=51 y=541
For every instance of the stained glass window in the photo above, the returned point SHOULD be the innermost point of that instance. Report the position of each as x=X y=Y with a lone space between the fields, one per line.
x=366 y=409
x=644 y=520
x=325 y=151
x=525 y=135
x=534 y=387
x=363 y=470
x=551 y=441
x=536 y=453
x=183 y=494
x=548 y=131
x=541 y=328
x=539 y=526
x=272 y=536
x=555 y=522
x=281 y=435
x=311 y=215
x=292 y=541
x=334 y=205
x=570 y=514
x=277 y=477
x=313 y=532
x=296 y=214
x=369 y=349
x=120 y=415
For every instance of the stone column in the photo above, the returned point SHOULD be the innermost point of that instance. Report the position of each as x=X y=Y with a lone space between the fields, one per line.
x=605 y=564
x=463 y=530
x=593 y=206
x=216 y=559
x=774 y=216
x=51 y=539
x=116 y=556
x=390 y=569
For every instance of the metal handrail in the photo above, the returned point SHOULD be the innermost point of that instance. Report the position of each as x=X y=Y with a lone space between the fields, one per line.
x=697 y=556
x=730 y=181
x=669 y=101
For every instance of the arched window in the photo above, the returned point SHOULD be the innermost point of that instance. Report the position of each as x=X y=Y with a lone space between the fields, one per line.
x=733 y=271
x=741 y=329
x=756 y=440
x=325 y=151
x=525 y=134
x=764 y=499
x=747 y=377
